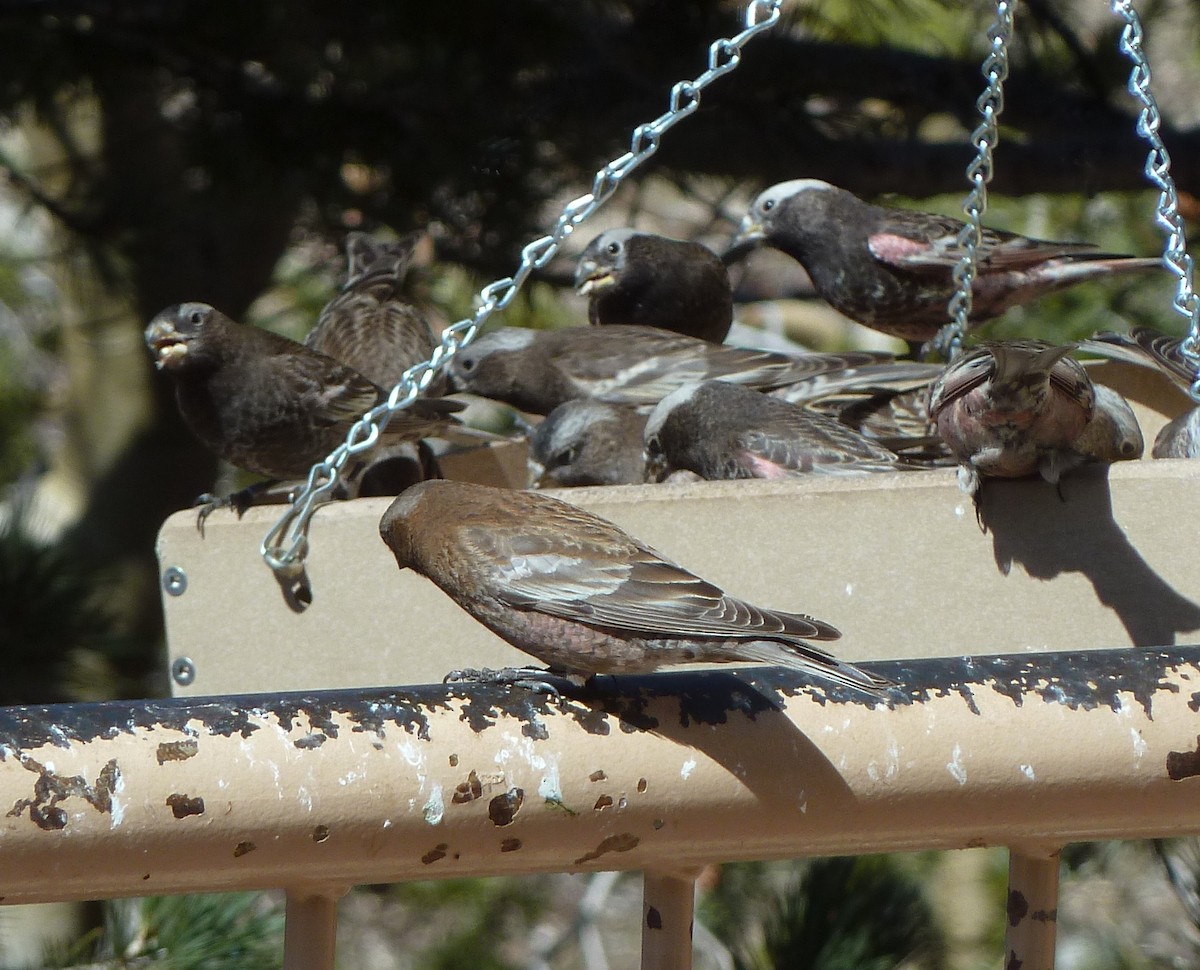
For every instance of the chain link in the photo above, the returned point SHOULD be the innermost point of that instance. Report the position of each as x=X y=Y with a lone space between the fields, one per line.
x=285 y=545
x=1158 y=171
x=979 y=174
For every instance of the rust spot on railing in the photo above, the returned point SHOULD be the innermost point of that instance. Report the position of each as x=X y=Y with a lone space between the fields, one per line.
x=1184 y=764
x=51 y=788
x=469 y=790
x=503 y=808
x=614 y=843
x=184 y=805
x=177 y=750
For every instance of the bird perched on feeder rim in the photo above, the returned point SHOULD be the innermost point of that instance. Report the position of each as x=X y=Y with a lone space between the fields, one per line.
x=266 y=403
x=723 y=431
x=1011 y=409
x=891 y=269
x=585 y=442
x=585 y=597
x=537 y=370
x=1179 y=437
x=641 y=278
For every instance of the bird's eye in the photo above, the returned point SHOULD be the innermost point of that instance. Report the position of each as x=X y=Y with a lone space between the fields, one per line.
x=466 y=364
x=614 y=248
x=767 y=205
x=653 y=446
x=196 y=318
x=565 y=457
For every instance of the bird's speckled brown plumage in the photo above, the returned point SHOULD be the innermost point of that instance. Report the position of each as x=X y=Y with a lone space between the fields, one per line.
x=581 y=595
x=370 y=325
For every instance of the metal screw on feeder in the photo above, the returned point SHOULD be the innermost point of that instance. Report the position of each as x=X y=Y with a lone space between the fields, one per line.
x=1158 y=171
x=979 y=173
x=285 y=545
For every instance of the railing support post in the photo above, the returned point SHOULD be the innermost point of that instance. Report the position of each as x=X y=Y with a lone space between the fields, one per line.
x=668 y=905
x=1032 y=909
x=310 y=929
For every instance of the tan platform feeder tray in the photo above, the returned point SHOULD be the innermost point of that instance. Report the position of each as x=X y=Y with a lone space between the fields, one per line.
x=897 y=562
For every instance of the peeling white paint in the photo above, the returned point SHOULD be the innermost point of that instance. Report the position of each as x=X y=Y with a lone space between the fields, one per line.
x=304 y=797
x=688 y=767
x=955 y=766
x=550 y=787
x=849 y=589
x=435 y=806
x=1027 y=771
x=354 y=775
x=1139 y=743
x=893 y=762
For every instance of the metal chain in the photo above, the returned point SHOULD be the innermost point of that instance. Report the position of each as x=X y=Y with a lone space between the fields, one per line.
x=285 y=546
x=1158 y=171
x=979 y=174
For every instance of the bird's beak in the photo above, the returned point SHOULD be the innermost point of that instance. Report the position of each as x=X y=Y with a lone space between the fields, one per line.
x=537 y=473
x=590 y=276
x=656 y=466
x=167 y=344
x=750 y=236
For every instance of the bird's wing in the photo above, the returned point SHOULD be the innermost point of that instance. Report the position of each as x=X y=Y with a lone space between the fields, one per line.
x=1144 y=346
x=964 y=375
x=804 y=441
x=601 y=577
x=928 y=242
x=332 y=392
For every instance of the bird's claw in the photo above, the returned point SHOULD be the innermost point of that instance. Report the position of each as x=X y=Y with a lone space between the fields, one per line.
x=529 y=678
x=208 y=503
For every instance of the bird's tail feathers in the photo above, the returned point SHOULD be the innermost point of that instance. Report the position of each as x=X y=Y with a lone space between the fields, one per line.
x=1016 y=359
x=799 y=655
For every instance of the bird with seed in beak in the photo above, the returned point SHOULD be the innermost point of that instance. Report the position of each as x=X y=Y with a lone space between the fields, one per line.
x=641 y=278
x=268 y=404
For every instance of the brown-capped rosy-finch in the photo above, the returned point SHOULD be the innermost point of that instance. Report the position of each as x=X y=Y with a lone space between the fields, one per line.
x=585 y=597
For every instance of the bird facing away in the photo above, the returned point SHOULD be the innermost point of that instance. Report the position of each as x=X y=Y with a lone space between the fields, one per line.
x=1012 y=409
x=585 y=597
x=891 y=269
x=370 y=325
x=537 y=370
x=723 y=431
x=1179 y=437
x=585 y=442
x=266 y=403
x=652 y=281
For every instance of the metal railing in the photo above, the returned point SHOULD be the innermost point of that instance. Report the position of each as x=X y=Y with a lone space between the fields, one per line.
x=317 y=792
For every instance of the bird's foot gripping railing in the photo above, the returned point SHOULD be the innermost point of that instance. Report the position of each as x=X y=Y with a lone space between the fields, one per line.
x=317 y=792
